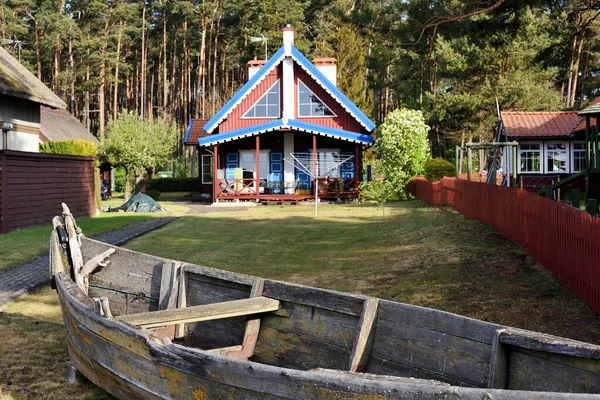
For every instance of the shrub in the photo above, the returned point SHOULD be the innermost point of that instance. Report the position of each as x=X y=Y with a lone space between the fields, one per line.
x=155 y=194
x=69 y=147
x=119 y=177
x=175 y=184
x=436 y=168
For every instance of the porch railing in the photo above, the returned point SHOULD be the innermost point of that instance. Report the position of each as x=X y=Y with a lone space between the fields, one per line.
x=251 y=187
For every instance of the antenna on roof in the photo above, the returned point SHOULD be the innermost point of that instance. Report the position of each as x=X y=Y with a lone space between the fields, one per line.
x=16 y=42
x=498 y=109
x=262 y=39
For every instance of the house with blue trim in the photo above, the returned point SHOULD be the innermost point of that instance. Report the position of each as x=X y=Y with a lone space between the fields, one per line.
x=286 y=127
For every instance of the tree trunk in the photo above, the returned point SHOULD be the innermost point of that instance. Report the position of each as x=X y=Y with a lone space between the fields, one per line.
x=165 y=81
x=116 y=87
x=576 y=72
x=127 y=188
x=143 y=68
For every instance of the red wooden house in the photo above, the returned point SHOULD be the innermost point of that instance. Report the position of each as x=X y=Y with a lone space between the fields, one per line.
x=289 y=110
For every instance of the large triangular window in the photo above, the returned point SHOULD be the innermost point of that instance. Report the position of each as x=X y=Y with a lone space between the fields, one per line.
x=267 y=106
x=310 y=105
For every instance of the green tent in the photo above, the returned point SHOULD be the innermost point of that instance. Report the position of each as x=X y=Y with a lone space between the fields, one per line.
x=139 y=203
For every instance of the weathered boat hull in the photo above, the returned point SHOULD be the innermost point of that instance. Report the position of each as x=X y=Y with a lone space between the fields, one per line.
x=411 y=352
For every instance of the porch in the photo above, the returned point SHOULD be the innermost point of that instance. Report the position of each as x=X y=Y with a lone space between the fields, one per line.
x=227 y=189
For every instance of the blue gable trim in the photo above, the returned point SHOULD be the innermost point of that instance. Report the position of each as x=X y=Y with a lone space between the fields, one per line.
x=244 y=91
x=278 y=124
x=241 y=133
x=334 y=91
x=332 y=132
x=187 y=132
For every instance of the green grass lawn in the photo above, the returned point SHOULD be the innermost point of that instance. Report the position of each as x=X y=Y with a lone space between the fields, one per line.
x=20 y=246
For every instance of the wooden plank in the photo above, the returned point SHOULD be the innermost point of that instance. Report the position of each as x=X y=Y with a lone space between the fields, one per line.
x=181 y=301
x=458 y=358
x=548 y=343
x=204 y=312
x=321 y=298
x=252 y=327
x=219 y=274
x=169 y=285
x=316 y=324
x=364 y=339
x=498 y=378
x=529 y=372
x=439 y=321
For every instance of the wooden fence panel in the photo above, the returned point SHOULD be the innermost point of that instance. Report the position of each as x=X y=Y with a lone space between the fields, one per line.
x=563 y=239
x=32 y=187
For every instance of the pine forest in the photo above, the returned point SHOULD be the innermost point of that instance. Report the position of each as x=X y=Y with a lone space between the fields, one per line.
x=183 y=59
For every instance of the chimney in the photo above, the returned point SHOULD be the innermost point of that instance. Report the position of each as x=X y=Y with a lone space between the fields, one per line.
x=288 y=39
x=328 y=67
x=254 y=66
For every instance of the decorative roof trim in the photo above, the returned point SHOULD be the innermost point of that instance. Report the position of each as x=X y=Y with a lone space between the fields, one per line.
x=333 y=91
x=187 y=131
x=244 y=91
x=280 y=124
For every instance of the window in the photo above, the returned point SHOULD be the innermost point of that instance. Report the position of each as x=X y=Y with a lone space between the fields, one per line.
x=578 y=156
x=267 y=106
x=557 y=157
x=207 y=169
x=249 y=163
x=530 y=156
x=309 y=105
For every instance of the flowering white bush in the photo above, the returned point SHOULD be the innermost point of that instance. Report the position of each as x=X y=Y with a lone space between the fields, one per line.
x=402 y=146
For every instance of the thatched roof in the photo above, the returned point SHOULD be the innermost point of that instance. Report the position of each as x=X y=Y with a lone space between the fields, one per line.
x=17 y=81
x=59 y=125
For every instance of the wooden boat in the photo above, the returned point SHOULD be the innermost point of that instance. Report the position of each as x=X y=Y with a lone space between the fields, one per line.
x=145 y=327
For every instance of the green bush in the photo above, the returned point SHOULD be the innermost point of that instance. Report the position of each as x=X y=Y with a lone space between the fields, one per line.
x=436 y=168
x=69 y=147
x=155 y=194
x=119 y=177
x=175 y=184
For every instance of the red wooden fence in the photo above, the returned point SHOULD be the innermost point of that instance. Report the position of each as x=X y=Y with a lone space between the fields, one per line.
x=33 y=185
x=563 y=239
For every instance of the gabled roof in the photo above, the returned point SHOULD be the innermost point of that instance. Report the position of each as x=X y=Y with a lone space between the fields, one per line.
x=330 y=88
x=592 y=108
x=542 y=124
x=195 y=131
x=282 y=124
x=305 y=64
x=59 y=125
x=244 y=91
x=17 y=81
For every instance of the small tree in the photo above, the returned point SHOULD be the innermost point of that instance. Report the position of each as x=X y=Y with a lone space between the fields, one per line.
x=402 y=146
x=378 y=190
x=137 y=145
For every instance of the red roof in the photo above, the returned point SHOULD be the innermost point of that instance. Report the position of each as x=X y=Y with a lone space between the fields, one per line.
x=196 y=131
x=535 y=124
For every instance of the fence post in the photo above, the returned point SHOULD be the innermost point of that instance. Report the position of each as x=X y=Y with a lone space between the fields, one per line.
x=469 y=162
x=456 y=161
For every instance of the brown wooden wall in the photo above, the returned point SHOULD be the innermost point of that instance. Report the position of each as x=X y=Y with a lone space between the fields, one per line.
x=32 y=187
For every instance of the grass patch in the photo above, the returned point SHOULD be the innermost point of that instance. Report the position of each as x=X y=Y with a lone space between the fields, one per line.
x=20 y=246
x=33 y=352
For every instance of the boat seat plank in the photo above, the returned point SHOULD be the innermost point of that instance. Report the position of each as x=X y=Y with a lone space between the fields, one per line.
x=364 y=340
x=206 y=312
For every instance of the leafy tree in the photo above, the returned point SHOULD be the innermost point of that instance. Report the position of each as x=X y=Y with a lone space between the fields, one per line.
x=137 y=144
x=402 y=146
x=378 y=189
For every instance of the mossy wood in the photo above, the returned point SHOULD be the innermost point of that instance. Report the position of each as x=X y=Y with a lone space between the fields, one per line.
x=292 y=341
